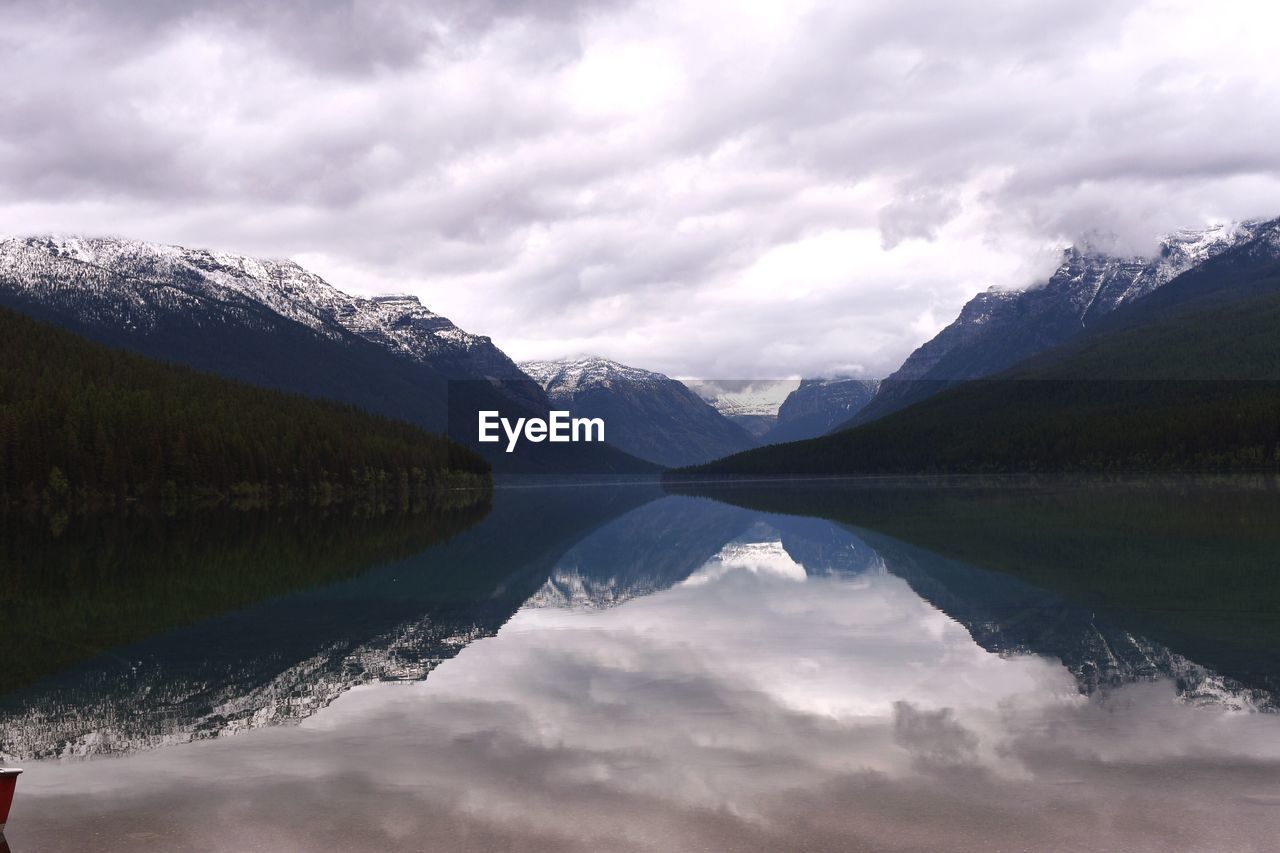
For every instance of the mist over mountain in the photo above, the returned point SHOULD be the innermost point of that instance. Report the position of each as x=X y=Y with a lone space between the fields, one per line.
x=751 y=403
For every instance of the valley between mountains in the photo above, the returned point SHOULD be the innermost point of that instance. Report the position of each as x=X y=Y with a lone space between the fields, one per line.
x=1163 y=362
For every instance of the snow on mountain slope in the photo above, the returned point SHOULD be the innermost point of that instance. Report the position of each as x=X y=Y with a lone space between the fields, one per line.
x=998 y=328
x=818 y=405
x=646 y=414
x=752 y=404
x=564 y=379
x=274 y=324
x=745 y=398
x=144 y=280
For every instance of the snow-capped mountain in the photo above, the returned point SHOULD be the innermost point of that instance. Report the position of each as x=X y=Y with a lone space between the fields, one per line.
x=752 y=404
x=274 y=324
x=647 y=414
x=565 y=379
x=144 y=280
x=999 y=328
x=819 y=405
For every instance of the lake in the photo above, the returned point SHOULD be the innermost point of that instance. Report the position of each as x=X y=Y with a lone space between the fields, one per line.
x=906 y=665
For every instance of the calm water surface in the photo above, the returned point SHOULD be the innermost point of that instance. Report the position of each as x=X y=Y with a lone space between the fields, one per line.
x=1005 y=666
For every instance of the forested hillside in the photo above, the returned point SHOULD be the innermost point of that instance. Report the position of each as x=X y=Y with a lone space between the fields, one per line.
x=81 y=423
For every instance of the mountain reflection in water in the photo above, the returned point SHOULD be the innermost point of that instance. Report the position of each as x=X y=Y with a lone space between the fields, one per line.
x=630 y=671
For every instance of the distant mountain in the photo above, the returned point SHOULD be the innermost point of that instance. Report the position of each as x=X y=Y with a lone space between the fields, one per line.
x=752 y=404
x=818 y=406
x=999 y=328
x=276 y=325
x=646 y=414
x=776 y=411
x=1184 y=378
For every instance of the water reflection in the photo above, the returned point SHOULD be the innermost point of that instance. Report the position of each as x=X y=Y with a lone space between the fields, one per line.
x=1188 y=562
x=281 y=658
x=96 y=582
x=1007 y=616
x=678 y=673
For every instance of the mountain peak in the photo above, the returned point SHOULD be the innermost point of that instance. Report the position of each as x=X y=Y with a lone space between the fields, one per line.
x=568 y=376
x=144 y=275
x=646 y=414
x=997 y=329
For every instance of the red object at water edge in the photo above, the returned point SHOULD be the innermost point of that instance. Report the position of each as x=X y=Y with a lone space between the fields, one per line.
x=8 y=782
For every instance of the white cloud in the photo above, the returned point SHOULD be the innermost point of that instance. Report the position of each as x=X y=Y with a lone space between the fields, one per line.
x=716 y=189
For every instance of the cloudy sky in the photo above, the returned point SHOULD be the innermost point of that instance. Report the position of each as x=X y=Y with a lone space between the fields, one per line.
x=717 y=189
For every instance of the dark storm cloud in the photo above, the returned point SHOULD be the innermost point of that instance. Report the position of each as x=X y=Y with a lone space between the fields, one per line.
x=759 y=189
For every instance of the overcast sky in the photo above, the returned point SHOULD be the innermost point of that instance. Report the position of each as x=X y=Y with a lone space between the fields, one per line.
x=715 y=189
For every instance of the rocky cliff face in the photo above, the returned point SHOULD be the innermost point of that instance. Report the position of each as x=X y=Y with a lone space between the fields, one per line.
x=818 y=406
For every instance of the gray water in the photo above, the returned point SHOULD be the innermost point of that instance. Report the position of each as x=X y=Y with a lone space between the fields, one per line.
x=932 y=667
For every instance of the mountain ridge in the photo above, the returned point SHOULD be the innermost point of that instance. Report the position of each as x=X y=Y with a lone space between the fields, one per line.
x=282 y=285
x=1188 y=381
x=646 y=414
x=274 y=324
x=996 y=329
x=818 y=405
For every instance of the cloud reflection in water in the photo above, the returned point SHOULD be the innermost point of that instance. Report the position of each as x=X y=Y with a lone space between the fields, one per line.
x=752 y=706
